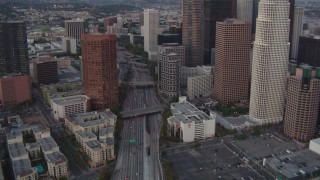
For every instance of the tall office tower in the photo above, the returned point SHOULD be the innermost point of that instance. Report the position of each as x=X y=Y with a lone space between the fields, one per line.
x=291 y=17
x=173 y=47
x=192 y=31
x=255 y=11
x=169 y=63
x=309 y=50
x=215 y=10
x=74 y=29
x=270 y=62
x=245 y=10
x=151 y=28
x=99 y=70
x=297 y=31
x=301 y=114
x=45 y=70
x=231 y=75
x=14 y=56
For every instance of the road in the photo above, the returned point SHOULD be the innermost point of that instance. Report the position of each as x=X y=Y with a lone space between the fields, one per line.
x=139 y=159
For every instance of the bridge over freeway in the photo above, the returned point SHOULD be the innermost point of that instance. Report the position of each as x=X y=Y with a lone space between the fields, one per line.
x=141 y=83
x=144 y=111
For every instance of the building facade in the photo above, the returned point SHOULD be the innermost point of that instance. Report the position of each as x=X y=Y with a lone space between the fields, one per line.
x=99 y=70
x=69 y=45
x=297 y=31
x=109 y=21
x=301 y=114
x=232 y=67
x=151 y=28
x=45 y=70
x=245 y=10
x=14 y=56
x=270 y=62
x=169 y=63
x=66 y=106
x=309 y=50
x=215 y=10
x=192 y=32
x=74 y=29
x=189 y=123
x=14 y=89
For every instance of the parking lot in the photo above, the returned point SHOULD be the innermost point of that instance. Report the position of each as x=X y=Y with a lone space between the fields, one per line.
x=211 y=162
x=266 y=146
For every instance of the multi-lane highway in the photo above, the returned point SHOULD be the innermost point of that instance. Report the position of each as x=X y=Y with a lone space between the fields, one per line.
x=138 y=157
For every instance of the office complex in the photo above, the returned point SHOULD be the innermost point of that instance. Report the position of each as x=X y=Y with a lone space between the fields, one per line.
x=151 y=28
x=45 y=70
x=99 y=70
x=192 y=32
x=169 y=63
x=245 y=10
x=94 y=132
x=309 y=50
x=297 y=31
x=25 y=155
x=215 y=10
x=109 y=21
x=14 y=89
x=201 y=83
x=74 y=29
x=13 y=48
x=301 y=114
x=189 y=123
x=232 y=67
x=270 y=62
x=66 y=106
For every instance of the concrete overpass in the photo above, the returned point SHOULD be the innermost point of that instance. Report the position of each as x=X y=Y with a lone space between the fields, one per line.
x=141 y=83
x=144 y=111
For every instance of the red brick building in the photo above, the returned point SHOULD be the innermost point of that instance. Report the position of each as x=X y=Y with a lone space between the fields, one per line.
x=99 y=67
x=14 y=89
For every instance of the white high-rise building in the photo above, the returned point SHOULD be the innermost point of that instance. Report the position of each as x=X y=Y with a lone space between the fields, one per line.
x=151 y=26
x=297 y=31
x=270 y=62
x=244 y=10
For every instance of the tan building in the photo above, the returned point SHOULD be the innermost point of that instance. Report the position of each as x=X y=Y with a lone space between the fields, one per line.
x=233 y=45
x=301 y=112
x=87 y=127
x=74 y=29
x=192 y=32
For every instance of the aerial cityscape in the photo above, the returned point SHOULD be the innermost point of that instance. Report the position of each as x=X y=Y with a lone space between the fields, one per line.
x=160 y=89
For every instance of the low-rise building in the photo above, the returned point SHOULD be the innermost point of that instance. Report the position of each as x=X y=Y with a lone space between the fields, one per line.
x=90 y=121
x=38 y=146
x=66 y=106
x=189 y=123
x=315 y=145
x=197 y=80
x=94 y=131
x=69 y=45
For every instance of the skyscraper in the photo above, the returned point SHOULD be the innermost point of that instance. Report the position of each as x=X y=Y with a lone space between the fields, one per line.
x=245 y=10
x=215 y=10
x=297 y=31
x=231 y=75
x=13 y=48
x=192 y=32
x=270 y=62
x=302 y=104
x=74 y=29
x=309 y=50
x=99 y=68
x=151 y=28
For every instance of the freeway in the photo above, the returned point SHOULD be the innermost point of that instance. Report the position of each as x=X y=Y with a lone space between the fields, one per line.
x=139 y=159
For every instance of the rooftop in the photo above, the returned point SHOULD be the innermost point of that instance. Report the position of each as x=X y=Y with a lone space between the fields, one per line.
x=70 y=100
x=106 y=131
x=317 y=141
x=56 y=158
x=22 y=167
x=234 y=21
x=92 y=118
x=17 y=150
x=87 y=135
x=47 y=144
x=186 y=112
x=301 y=163
x=45 y=58
x=94 y=144
x=13 y=134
